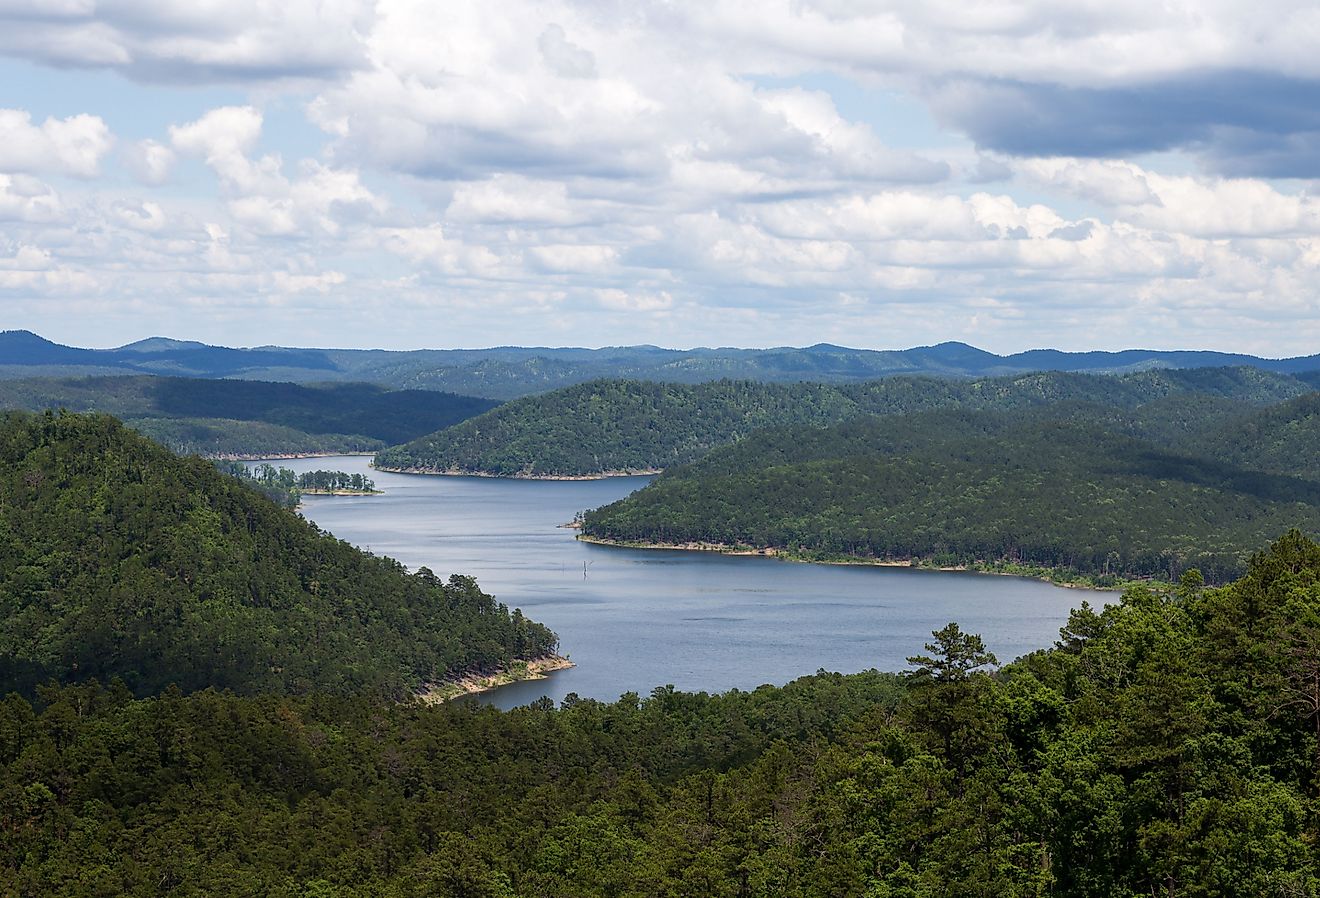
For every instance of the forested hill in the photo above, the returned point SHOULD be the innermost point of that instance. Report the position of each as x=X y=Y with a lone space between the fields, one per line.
x=119 y=559
x=1284 y=438
x=508 y=372
x=615 y=426
x=1029 y=491
x=244 y=417
x=1166 y=746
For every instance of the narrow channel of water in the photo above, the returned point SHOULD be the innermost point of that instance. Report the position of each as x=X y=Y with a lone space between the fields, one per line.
x=635 y=619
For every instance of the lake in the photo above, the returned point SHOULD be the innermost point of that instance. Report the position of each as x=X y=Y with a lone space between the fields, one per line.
x=635 y=619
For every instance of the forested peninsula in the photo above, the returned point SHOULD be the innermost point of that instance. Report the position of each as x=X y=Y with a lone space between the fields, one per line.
x=1167 y=745
x=616 y=427
x=1066 y=491
x=121 y=561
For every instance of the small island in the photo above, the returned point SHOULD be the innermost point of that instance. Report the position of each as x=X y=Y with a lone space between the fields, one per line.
x=335 y=483
x=287 y=487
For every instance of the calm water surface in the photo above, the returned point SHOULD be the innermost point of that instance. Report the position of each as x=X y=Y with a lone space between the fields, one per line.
x=635 y=619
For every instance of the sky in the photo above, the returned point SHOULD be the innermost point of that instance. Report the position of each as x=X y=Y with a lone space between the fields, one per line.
x=1089 y=175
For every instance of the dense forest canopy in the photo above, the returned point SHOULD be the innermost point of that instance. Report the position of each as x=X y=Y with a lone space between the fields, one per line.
x=1046 y=488
x=119 y=559
x=619 y=426
x=1167 y=745
x=208 y=695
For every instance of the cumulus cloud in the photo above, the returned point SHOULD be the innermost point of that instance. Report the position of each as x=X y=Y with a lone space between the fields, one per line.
x=149 y=161
x=72 y=146
x=223 y=137
x=680 y=164
x=512 y=198
x=565 y=90
x=24 y=198
x=262 y=198
x=1245 y=123
x=430 y=88
x=563 y=56
x=235 y=41
x=145 y=216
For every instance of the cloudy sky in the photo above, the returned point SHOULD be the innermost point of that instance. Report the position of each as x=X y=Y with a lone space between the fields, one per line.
x=724 y=172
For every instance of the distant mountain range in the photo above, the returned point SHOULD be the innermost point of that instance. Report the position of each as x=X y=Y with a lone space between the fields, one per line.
x=509 y=372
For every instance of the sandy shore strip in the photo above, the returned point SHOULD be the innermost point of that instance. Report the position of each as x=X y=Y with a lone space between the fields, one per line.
x=454 y=472
x=1044 y=575
x=243 y=456
x=515 y=672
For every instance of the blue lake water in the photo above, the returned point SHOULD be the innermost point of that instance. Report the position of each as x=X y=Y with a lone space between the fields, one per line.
x=635 y=619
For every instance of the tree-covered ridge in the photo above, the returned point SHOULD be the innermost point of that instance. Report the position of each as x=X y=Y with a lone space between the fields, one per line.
x=228 y=438
x=1284 y=438
x=614 y=427
x=957 y=487
x=618 y=426
x=201 y=415
x=119 y=559
x=1168 y=745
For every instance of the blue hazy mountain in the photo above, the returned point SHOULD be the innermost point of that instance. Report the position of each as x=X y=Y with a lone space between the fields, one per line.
x=509 y=371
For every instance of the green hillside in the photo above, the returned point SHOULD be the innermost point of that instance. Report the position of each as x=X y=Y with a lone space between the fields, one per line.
x=1283 y=438
x=119 y=559
x=244 y=417
x=1031 y=490
x=615 y=426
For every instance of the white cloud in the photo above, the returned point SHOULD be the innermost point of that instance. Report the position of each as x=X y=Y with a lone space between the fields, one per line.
x=24 y=198
x=236 y=40
x=149 y=161
x=635 y=302
x=430 y=247
x=493 y=96
x=146 y=216
x=583 y=166
x=323 y=282
x=512 y=198
x=26 y=258
x=563 y=56
x=575 y=258
x=223 y=138
x=72 y=146
x=262 y=198
x=1112 y=183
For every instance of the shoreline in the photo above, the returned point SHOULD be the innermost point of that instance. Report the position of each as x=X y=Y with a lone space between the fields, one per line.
x=308 y=492
x=854 y=561
x=243 y=456
x=454 y=472
x=519 y=671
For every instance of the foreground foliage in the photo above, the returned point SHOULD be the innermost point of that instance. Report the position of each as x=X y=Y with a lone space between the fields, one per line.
x=1167 y=746
x=119 y=559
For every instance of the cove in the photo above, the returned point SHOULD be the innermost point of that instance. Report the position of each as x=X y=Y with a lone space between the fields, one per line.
x=635 y=619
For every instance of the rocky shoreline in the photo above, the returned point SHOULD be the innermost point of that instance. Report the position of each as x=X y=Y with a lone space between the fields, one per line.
x=514 y=672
